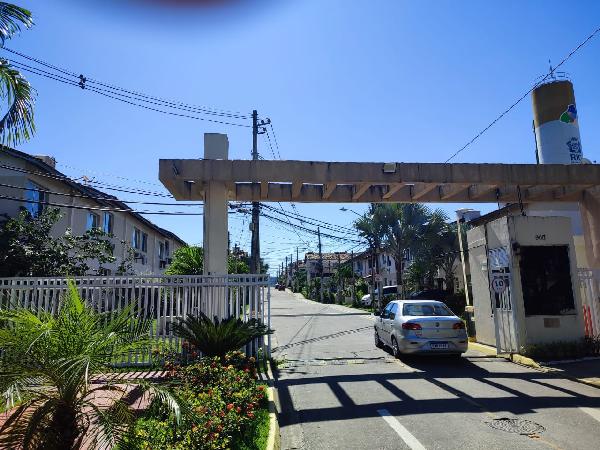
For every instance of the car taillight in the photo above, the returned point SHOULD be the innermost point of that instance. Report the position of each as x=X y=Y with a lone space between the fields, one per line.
x=411 y=326
x=459 y=326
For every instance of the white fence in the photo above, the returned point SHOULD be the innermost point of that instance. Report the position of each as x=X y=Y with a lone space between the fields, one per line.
x=589 y=284
x=164 y=299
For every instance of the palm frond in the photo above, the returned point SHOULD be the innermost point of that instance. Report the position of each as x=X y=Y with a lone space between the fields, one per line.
x=165 y=397
x=18 y=123
x=12 y=17
x=216 y=338
x=110 y=423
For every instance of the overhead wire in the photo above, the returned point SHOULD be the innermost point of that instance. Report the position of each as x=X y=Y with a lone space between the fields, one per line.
x=170 y=103
x=526 y=94
x=98 y=198
x=98 y=208
x=116 y=188
x=122 y=97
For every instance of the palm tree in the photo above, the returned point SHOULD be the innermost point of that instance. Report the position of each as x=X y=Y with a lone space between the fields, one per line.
x=47 y=365
x=17 y=125
x=187 y=260
x=218 y=337
x=405 y=225
x=372 y=227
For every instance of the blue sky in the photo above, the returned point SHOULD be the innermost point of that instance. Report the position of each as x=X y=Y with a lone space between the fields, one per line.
x=341 y=80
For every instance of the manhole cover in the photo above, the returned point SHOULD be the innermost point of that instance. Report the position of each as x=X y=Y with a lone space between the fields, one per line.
x=519 y=426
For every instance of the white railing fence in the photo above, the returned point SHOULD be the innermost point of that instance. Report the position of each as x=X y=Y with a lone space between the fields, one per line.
x=589 y=285
x=162 y=299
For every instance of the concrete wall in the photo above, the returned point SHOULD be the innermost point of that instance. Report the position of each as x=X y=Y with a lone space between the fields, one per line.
x=76 y=219
x=556 y=231
x=524 y=231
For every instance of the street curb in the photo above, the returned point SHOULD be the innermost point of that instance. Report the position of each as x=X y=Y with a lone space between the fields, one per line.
x=274 y=439
x=488 y=350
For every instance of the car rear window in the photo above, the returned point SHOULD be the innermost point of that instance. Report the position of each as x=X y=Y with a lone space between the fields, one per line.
x=426 y=309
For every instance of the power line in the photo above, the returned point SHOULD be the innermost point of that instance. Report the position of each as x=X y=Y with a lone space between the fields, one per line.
x=173 y=104
x=105 y=199
x=549 y=74
x=313 y=221
x=99 y=208
x=101 y=184
x=128 y=99
x=92 y=172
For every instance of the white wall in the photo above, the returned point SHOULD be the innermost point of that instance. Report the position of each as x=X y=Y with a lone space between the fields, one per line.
x=76 y=219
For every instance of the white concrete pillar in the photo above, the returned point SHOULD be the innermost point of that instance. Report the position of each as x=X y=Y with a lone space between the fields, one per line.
x=216 y=146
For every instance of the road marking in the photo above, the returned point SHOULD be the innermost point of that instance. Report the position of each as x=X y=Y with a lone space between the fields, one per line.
x=595 y=413
x=406 y=436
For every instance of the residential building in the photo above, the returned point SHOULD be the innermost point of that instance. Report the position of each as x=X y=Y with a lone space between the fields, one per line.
x=330 y=263
x=32 y=183
x=364 y=262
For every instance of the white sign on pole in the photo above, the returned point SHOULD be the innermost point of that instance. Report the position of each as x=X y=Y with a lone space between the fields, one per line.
x=499 y=285
x=377 y=278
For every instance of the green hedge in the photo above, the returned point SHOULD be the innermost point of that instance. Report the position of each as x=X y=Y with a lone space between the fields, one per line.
x=556 y=351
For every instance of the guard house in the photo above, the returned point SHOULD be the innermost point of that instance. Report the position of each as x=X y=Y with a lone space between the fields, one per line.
x=524 y=279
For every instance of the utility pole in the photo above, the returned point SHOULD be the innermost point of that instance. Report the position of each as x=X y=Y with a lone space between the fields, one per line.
x=255 y=245
x=353 y=280
x=286 y=272
x=339 y=267
x=320 y=265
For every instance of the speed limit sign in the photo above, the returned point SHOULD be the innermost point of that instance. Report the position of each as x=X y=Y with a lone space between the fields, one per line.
x=499 y=285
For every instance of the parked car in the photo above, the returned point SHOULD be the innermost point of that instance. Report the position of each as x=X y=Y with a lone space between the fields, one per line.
x=389 y=293
x=420 y=326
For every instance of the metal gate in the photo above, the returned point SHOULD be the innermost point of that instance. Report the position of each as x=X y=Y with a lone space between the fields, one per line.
x=500 y=276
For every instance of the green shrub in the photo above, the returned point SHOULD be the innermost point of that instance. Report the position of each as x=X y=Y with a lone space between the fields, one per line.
x=226 y=402
x=218 y=337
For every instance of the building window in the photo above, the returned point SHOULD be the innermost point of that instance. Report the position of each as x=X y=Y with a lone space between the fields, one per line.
x=109 y=220
x=144 y=242
x=161 y=250
x=93 y=221
x=35 y=198
x=167 y=250
x=136 y=239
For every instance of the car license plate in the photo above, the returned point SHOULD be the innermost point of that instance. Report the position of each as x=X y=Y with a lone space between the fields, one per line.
x=439 y=345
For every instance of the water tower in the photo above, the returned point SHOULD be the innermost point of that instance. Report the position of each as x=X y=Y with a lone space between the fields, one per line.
x=557 y=140
x=555 y=122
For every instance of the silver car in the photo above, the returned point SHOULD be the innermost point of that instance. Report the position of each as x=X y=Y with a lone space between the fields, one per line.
x=420 y=326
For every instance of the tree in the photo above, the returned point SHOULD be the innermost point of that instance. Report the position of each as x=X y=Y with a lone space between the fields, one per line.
x=405 y=228
x=371 y=226
x=48 y=363
x=189 y=260
x=27 y=247
x=17 y=124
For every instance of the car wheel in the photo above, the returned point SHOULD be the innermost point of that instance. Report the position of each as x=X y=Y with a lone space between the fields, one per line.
x=378 y=342
x=395 y=348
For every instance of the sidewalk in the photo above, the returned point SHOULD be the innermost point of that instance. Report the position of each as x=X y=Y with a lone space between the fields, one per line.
x=585 y=371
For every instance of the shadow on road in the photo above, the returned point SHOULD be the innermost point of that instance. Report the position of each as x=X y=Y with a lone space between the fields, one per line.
x=441 y=373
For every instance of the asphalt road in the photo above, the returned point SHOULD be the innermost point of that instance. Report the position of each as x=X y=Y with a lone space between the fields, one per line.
x=336 y=390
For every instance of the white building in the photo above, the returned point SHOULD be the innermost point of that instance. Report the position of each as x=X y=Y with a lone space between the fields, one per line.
x=32 y=183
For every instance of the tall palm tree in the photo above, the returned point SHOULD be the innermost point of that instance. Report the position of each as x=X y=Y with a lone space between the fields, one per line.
x=47 y=365
x=372 y=227
x=406 y=225
x=17 y=124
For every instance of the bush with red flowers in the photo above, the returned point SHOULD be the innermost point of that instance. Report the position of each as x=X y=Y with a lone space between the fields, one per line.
x=222 y=399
